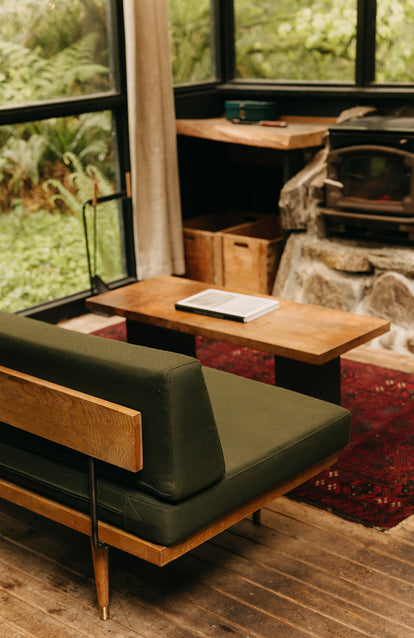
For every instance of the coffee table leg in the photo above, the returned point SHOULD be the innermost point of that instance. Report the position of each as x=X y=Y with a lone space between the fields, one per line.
x=322 y=382
x=154 y=337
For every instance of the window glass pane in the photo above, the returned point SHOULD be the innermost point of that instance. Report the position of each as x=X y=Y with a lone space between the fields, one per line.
x=395 y=41
x=302 y=40
x=52 y=49
x=190 y=33
x=47 y=172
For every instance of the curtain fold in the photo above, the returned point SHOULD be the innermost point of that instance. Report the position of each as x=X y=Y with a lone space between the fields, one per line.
x=153 y=143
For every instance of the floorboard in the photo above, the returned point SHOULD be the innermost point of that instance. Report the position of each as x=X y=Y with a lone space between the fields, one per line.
x=303 y=572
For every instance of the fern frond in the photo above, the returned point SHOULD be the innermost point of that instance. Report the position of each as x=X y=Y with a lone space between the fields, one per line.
x=77 y=63
x=109 y=256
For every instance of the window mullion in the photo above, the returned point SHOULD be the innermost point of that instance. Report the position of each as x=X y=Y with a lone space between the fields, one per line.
x=366 y=37
x=61 y=108
x=223 y=11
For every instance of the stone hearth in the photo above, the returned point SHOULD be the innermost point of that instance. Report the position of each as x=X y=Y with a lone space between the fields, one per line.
x=351 y=275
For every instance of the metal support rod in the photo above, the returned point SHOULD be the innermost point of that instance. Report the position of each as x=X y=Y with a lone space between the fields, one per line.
x=257 y=517
x=92 y=495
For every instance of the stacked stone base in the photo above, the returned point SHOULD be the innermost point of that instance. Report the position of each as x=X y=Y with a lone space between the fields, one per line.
x=370 y=280
x=350 y=275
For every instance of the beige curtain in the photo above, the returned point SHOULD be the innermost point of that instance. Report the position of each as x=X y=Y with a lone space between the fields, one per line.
x=154 y=169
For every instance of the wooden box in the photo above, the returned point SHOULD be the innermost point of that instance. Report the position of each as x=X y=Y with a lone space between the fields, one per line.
x=203 y=243
x=251 y=255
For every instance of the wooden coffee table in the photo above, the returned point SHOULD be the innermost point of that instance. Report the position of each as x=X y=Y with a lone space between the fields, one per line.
x=306 y=340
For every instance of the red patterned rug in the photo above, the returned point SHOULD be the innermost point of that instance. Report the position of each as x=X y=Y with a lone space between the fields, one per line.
x=373 y=480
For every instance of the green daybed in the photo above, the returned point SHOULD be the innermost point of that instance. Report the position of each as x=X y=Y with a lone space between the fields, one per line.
x=214 y=446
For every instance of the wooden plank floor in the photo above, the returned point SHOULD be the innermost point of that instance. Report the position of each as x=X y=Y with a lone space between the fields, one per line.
x=302 y=573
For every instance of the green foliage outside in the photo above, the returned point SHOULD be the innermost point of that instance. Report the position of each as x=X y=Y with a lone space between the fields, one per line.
x=42 y=257
x=297 y=40
x=43 y=254
x=190 y=37
x=315 y=40
x=395 y=41
x=108 y=242
x=53 y=50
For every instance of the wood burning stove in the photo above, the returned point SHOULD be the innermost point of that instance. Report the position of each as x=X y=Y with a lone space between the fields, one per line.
x=370 y=179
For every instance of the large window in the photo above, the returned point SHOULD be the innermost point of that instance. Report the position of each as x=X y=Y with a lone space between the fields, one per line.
x=62 y=141
x=324 y=40
x=282 y=44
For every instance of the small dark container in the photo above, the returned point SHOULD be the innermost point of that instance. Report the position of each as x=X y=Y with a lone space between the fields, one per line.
x=245 y=111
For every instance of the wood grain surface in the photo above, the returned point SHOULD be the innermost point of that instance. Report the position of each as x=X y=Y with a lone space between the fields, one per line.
x=300 y=132
x=303 y=573
x=303 y=332
x=90 y=425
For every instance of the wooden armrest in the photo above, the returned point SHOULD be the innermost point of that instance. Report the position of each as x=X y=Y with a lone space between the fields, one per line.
x=87 y=424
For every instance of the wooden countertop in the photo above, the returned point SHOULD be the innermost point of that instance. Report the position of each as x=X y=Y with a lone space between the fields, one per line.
x=300 y=132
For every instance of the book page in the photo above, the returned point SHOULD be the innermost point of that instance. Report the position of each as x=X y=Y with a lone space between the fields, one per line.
x=228 y=302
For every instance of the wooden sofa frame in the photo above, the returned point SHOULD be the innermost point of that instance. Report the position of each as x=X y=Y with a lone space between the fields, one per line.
x=112 y=433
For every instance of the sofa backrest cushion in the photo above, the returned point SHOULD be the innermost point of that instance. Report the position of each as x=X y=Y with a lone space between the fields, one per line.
x=181 y=447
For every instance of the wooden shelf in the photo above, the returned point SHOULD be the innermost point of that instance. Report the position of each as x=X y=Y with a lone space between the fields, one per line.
x=300 y=132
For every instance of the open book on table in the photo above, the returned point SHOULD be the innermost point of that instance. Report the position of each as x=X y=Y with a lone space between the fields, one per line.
x=227 y=305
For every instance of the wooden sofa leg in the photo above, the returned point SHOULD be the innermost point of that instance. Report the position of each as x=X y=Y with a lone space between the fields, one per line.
x=100 y=557
x=257 y=517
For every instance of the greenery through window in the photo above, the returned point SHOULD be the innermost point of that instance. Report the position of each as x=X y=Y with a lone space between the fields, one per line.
x=353 y=42
x=295 y=40
x=52 y=49
x=395 y=41
x=49 y=167
x=46 y=173
x=190 y=33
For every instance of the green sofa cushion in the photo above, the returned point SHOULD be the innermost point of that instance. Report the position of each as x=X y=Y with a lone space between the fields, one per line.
x=268 y=434
x=182 y=451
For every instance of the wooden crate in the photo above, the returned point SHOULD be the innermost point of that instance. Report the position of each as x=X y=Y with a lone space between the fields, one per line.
x=251 y=255
x=203 y=243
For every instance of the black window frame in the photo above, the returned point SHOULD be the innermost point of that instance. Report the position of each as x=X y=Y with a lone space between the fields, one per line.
x=115 y=101
x=324 y=99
